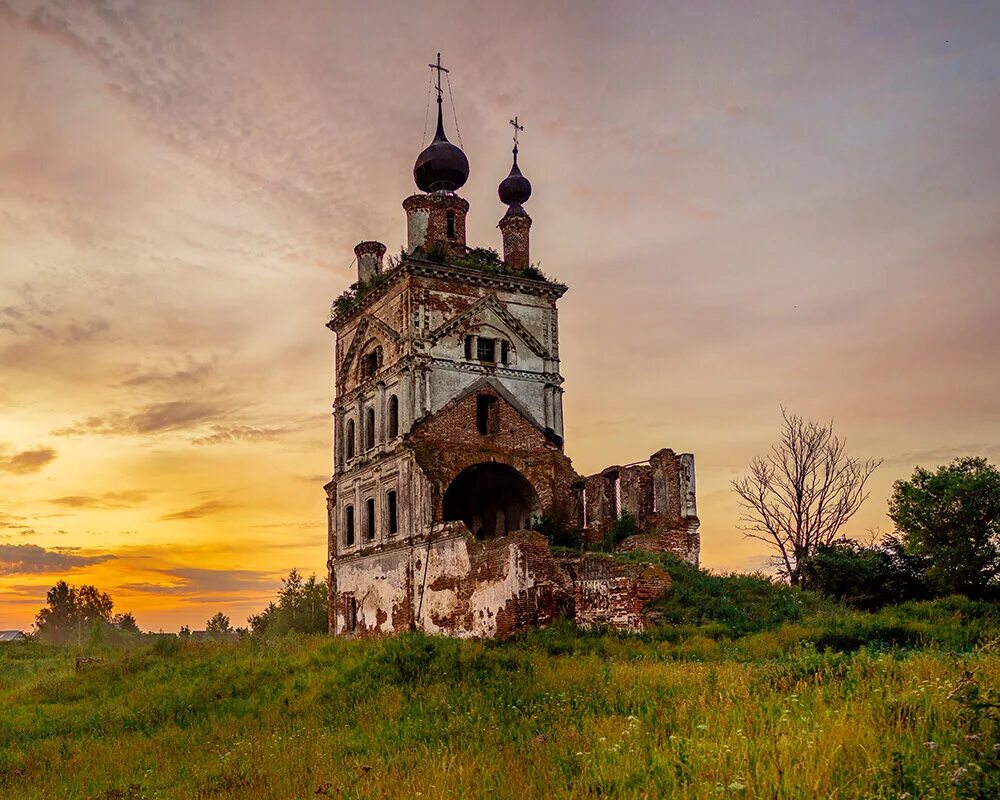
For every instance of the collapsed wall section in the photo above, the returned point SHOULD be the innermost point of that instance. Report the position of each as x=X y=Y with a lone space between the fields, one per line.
x=659 y=494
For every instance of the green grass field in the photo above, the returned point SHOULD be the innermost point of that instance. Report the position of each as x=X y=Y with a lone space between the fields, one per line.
x=796 y=700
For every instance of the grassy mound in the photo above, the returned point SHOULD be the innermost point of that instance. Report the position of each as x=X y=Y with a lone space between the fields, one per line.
x=744 y=689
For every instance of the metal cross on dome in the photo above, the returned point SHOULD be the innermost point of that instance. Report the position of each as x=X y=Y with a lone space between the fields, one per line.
x=439 y=69
x=517 y=129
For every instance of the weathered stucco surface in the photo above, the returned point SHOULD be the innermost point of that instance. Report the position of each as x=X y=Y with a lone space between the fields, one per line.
x=448 y=444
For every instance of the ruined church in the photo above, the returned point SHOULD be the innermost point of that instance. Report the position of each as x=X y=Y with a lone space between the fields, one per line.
x=450 y=478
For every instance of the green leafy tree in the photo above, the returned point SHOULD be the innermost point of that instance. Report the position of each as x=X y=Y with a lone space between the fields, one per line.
x=865 y=576
x=184 y=632
x=950 y=519
x=620 y=530
x=126 y=622
x=71 y=611
x=218 y=624
x=300 y=607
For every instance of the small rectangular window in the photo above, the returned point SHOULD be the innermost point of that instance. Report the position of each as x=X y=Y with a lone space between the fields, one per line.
x=450 y=224
x=487 y=415
x=468 y=348
x=370 y=519
x=349 y=525
x=486 y=349
x=504 y=351
x=390 y=506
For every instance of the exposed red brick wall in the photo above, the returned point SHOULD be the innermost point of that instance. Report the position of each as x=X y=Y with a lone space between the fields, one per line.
x=437 y=206
x=515 y=230
x=449 y=442
x=607 y=592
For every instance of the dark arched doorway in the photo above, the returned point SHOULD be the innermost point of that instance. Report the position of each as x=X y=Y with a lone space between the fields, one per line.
x=491 y=499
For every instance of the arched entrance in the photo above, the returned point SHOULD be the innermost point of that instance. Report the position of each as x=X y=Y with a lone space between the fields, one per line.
x=491 y=499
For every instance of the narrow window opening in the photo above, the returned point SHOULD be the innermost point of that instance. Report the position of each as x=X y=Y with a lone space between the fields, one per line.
x=370 y=519
x=449 y=219
x=504 y=351
x=390 y=506
x=393 y=417
x=370 y=429
x=351 y=613
x=618 y=497
x=487 y=415
x=486 y=349
x=349 y=525
x=468 y=348
x=371 y=362
x=350 y=438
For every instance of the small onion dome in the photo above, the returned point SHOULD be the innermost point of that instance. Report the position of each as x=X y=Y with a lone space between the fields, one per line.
x=515 y=188
x=441 y=166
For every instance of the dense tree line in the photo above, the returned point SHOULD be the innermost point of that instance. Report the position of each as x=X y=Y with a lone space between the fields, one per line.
x=946 y=541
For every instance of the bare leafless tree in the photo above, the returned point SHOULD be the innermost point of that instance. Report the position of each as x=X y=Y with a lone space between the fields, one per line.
x=798 y=496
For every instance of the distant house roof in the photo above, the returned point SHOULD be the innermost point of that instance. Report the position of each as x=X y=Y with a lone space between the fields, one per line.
x=214 y=635
x=11 y=636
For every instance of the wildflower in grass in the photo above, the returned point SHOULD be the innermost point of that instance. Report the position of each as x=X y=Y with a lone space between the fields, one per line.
x=736 y=786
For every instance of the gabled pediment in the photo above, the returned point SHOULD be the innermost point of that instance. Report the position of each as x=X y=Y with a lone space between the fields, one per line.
x=481 y=311
x=368 y=326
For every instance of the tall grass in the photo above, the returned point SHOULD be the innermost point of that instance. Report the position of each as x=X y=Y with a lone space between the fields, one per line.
x=804 y=709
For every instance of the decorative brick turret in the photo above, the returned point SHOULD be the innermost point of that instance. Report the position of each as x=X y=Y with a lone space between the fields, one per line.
x=437 y=217
x=514 y=190
x=514 y=228
x=369 y=256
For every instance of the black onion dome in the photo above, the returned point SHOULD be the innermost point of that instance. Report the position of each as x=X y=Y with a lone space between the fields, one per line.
x=515 y=188
x=441 y=166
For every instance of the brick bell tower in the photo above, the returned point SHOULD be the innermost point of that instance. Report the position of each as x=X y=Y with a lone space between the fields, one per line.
x=448 y=415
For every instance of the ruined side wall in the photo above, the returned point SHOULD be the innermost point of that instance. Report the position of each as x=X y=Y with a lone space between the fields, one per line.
x=452 y=585
x=660 y=495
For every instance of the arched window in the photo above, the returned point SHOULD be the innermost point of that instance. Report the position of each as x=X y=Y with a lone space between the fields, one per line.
x=348 y=525
x=350 y=438
x=370 y=429
x=390 y=510
x=449 y=220
x=370 y=519
x=393 y=412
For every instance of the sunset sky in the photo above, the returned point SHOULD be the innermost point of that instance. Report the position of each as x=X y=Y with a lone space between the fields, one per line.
x=753 y=204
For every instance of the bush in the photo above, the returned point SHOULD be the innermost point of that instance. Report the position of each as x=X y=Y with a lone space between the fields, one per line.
x=740 y=604
x=866 y=577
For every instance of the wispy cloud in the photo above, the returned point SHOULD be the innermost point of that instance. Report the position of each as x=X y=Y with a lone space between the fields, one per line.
x=26 y=461
x=192 y=582
x=106 y=500
x=26 y=559
x=239 y=433
x=155 y=418
x=205 y=509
